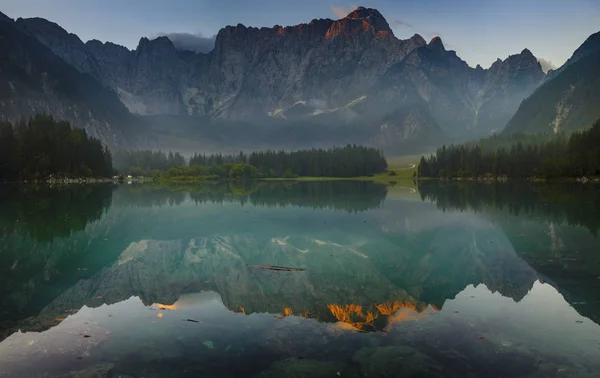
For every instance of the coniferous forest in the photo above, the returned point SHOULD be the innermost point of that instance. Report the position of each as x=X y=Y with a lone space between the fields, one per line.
x=43 y=147
x=348 y=161
x=577 y=155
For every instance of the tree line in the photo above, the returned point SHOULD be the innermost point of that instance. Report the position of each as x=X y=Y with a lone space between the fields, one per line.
x=43 y=147
x=560 y=156
x=143 y=162
x=347 y=161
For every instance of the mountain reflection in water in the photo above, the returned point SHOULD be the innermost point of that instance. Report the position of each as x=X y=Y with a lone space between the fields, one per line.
x=157 y=281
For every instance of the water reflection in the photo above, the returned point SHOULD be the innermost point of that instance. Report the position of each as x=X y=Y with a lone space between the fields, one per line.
x=45 y=213
x=553 y=227
x=162 y=284
x=332 y=195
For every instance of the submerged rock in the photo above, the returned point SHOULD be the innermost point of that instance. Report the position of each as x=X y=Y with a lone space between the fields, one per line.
x=397 y=361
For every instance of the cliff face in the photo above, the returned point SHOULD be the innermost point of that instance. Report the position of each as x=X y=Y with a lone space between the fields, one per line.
x=351 y=73
x=250 y=72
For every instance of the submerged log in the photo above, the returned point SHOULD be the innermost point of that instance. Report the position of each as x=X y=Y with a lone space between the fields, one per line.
x=279 y=268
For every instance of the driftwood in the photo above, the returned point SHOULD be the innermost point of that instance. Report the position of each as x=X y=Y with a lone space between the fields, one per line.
x=278 y=268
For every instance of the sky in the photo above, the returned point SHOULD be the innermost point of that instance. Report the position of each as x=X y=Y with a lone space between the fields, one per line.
x=480 y=31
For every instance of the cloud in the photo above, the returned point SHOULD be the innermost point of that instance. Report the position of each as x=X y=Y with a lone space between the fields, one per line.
x=191 y=42
x=546 y=64
x=341 y=12
x=401 y=23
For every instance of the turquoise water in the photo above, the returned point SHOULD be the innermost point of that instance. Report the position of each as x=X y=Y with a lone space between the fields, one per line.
x=445 y=281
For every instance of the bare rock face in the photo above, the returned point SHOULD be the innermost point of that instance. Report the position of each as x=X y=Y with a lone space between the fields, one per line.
x=259 y=72
x=250 y=72
x=352 y=73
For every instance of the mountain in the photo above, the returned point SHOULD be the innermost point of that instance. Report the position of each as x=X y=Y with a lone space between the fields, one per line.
x=591 y=44
x=569 y=100
x=325 y=82
x=35 y=80
x=462 y=100
x=250 y=72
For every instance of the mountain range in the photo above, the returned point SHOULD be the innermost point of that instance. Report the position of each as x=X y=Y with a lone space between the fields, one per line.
x=325 y=82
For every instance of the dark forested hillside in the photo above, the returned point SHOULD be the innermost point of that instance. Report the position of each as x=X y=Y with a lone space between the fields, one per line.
x=44 y=147
x=35 y=80
x=574 y=156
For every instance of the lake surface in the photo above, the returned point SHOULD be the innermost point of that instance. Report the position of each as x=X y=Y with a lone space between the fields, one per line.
x=473 y=280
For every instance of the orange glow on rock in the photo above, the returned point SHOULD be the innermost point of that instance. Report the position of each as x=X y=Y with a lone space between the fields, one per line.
x=167 y=307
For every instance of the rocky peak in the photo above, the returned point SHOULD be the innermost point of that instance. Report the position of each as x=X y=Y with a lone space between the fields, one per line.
x=524 y=60
x=372 y=16
x=360 y=21
x=436 y=44
x=418 y=40
x=526 y=54
x=161 y=44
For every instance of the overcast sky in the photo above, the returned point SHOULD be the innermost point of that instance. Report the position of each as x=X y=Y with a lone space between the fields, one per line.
x=479 y=30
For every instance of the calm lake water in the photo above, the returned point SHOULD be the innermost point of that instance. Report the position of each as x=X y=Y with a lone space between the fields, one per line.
x=449 y=280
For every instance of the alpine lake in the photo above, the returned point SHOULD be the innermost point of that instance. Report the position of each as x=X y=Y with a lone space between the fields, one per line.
x=300 y=279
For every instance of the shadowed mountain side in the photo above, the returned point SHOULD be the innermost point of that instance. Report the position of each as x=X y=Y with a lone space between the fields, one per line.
x=34 y=80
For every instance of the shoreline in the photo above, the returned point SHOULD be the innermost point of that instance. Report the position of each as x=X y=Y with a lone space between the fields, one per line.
x=583 y=180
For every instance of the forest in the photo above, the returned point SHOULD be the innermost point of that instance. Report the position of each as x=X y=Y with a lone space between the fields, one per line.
x=348 y=161
x=559 y=156
x=43 y=147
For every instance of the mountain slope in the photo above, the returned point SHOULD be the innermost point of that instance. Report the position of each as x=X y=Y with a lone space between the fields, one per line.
x=567 y=102
x=462 y=100
x=250 y=72
x=34 y=80
x=591 y=44
x=321 y=83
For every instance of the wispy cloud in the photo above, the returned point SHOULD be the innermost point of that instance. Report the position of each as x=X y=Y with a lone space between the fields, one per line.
x=191 y=42
x=341 y=12
x=401 y=23
x=547 y=65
